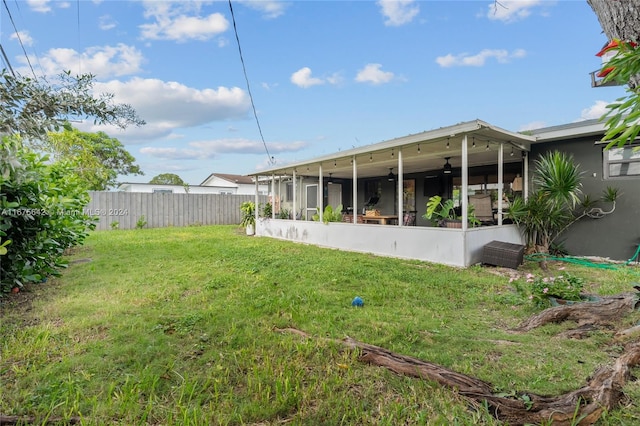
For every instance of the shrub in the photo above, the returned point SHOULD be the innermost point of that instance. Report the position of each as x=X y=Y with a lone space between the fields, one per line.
x=541 y=289
x=329 y=214
x=41 y=208
x=141 y=222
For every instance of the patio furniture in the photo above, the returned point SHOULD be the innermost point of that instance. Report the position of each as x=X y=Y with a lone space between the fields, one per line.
x=410 y=218
x=499 y=253
x=380 y=219
x=482 y=208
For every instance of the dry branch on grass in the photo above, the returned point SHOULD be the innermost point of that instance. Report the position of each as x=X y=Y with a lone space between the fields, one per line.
x=583 y=406
x=605 y=312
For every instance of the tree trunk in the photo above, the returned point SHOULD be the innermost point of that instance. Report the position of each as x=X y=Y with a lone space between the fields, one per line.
x=621 y=20
x=581 y=407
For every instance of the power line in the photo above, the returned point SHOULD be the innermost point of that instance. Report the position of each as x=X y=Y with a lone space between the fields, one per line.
x=35 y=52
x=6 y=60
x=19 y=38
x=244 y=70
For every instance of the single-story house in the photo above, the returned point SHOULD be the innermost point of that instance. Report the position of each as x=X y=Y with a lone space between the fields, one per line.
x=393 y=180
x=166 y=189
x=235 y=184
x=215 y=183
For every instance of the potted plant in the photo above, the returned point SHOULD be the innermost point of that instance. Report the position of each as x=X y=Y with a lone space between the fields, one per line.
x=443 y=213
x=248 y=209
x=329 y=215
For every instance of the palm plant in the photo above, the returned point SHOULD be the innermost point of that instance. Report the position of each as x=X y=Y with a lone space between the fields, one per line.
x=555 y=204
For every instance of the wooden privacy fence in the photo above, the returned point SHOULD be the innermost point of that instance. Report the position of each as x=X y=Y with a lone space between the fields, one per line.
x=162 y=210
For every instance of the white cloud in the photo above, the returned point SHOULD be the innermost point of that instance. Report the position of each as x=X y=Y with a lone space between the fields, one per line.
x=42 y=6
x=512 y=10
x=102 y=61
x=180 y=21
x=204 y=150
x=106 y=22
x=596 y=110
x=371 y=73
x=398 y=12
x=270 y=8
x=168 y=106
x=302 y=78
x=479 y=59
x=22 y=36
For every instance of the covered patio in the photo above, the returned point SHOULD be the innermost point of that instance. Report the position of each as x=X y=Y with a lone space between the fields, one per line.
x=383 y=189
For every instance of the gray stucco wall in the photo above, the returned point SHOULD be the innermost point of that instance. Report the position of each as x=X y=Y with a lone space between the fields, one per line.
x=615 y=236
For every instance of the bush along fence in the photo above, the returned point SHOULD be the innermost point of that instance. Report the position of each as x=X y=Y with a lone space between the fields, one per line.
x=130 y=210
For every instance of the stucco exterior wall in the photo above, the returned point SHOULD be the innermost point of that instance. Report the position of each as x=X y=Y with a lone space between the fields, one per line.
x=439 y=245
x=615 y=236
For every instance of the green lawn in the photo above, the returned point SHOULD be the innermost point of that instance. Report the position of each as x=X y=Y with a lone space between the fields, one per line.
x=176 y=327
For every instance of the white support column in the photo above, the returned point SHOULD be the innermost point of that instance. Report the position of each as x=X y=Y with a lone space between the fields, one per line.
x=400 y=186
x=257 y=199
x=525 y=178
x=273 y=196
x=500 y=180
x=280 y=193
x=295 y=205
x=355 y=191
x=320 y=195
x=465 y=182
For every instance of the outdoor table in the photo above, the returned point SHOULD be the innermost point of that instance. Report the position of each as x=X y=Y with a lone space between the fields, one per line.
x=382 y=219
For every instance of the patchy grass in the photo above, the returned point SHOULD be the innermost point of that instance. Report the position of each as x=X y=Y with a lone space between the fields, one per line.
x=176 y=327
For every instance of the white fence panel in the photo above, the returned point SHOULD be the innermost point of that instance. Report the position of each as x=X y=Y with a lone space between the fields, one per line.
x=161 y=210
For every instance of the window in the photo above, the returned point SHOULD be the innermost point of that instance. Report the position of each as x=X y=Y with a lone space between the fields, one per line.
x=163 y=191
x=225 y=192
x=290 y=191
x=621 y=162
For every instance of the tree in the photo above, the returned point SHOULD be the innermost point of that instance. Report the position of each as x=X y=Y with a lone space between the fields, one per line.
x=31 y=108
x=100 y=159
x=167 y=179
x=620 y=21
x=557 y=201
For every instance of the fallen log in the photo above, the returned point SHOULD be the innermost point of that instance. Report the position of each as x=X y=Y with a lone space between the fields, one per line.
x=581 y=407
x=604 y=312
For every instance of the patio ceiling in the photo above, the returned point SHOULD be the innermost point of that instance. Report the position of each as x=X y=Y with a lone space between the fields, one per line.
x=420 y=152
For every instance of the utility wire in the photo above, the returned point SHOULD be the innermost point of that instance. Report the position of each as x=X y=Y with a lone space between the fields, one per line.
x=35 y=53
x=19 y=39
x=6 y=60
x=244 y=70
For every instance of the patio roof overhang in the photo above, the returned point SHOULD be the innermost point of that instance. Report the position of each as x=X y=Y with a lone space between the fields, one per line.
x=420 y=152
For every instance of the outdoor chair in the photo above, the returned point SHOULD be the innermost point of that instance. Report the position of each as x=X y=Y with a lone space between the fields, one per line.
x=482 y=208
x=410 y=218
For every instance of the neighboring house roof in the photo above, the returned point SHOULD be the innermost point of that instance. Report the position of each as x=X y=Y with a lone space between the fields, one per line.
x=568 y=131
x=235 y=179
x=123 y=186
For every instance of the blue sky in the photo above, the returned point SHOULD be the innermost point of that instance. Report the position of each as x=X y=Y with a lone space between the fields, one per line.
x=324 y=75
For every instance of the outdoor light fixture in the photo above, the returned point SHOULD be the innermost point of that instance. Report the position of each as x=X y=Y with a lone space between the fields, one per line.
x=473 y=145
x=335 y=164
x=370 y=157
x=511 y=152
x=391 y=177
x=392 y=153
x=330 y=180
x=447 y=167
x=418 y=148
x=448 y=146
x=487 y=148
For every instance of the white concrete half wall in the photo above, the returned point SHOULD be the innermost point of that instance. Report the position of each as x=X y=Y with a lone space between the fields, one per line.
x=439 y=245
